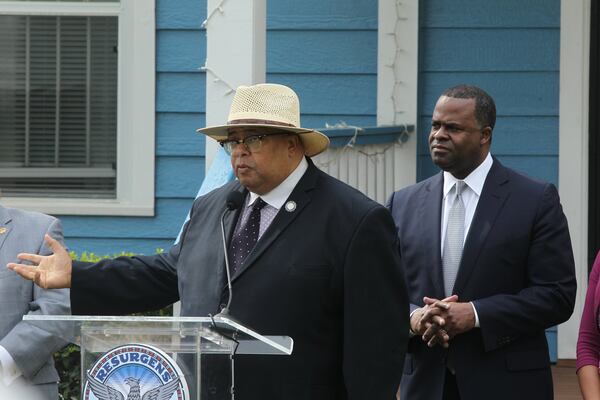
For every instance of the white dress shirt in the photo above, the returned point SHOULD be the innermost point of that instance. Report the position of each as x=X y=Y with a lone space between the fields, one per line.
x=9 y=371
x=470 y=196
x=274 y=199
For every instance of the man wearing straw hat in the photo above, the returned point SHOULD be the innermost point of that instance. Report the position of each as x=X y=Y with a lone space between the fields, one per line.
x=310 y=258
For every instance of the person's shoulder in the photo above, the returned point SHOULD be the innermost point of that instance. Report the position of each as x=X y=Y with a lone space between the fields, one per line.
x=218 y=195
x=17 y=214
x=409 y=192
x=596 y=265
x=27 y=223
x=341 y=191
x=523 y=178
x=525 y=184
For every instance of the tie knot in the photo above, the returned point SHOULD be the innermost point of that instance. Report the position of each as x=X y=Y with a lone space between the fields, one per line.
x=258 y=204
x=460 y=185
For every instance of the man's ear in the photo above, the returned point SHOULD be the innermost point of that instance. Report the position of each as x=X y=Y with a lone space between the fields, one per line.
x=486 y=135
x=295 y=144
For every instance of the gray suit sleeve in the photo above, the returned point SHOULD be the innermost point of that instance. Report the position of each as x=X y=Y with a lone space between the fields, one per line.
x=32 y=345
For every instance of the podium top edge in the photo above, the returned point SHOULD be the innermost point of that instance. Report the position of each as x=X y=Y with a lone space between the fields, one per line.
x=115 y=318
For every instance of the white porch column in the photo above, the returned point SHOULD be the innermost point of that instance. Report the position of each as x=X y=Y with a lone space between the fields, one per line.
x=235 y=55
x=573 y=167
x=397 y=76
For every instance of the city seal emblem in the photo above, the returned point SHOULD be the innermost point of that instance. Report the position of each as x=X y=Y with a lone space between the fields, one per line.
x=135 y=372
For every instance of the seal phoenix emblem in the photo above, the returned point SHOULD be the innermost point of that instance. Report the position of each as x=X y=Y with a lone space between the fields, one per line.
x=135 y=372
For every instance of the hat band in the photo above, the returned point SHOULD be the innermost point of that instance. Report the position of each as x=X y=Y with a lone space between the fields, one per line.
x=258 y=122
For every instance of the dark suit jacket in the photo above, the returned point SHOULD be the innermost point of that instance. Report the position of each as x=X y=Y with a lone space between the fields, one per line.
x=517 y=268
x=327 y=274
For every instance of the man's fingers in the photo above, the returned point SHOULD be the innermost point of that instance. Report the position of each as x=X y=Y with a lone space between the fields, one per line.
x=440 y=337
x=54 y=245
x=449 y=299
x=436 y=319
x=34 y=258
x=431 y=313
x=26 y=271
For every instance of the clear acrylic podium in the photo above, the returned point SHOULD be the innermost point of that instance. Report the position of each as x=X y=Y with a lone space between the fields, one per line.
x=111 y=349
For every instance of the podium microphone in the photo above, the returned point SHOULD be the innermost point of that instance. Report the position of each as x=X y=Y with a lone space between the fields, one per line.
x=233 y=202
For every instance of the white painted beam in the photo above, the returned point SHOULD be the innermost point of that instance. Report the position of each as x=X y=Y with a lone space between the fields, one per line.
x=573 y=163
x=235 y=55
x=397 y=76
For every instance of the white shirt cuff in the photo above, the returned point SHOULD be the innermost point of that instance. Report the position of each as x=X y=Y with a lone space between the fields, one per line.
x=410 y=331
x=9 y=369
x=476 y=316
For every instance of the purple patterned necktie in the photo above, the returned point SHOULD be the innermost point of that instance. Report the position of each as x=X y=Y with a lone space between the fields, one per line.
x=246 y=237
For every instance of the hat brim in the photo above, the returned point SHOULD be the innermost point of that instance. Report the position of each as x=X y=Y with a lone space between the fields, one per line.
x=314 y=142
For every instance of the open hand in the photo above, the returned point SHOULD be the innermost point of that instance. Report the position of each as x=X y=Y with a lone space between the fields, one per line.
x=48 y=272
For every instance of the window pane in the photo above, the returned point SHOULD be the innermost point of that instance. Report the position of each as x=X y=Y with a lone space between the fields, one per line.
x=58 y=98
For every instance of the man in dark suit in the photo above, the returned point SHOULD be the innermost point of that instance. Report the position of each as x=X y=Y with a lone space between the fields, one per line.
x=324 y=268
x=488 y=263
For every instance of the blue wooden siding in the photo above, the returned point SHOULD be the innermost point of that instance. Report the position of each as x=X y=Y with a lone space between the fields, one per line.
x=180 y=109
x=326 y=51
x=509 y=48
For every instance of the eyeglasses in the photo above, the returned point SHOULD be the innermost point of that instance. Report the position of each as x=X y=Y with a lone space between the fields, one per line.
x=253 y=143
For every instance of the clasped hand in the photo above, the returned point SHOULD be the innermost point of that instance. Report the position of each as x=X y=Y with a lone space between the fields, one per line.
x=439 y=321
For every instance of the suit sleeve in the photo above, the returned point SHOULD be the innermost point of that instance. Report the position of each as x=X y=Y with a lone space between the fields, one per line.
x=375 y=310
x=390 y=205
x=32 y=345
x=125 y=285
x=548 y=297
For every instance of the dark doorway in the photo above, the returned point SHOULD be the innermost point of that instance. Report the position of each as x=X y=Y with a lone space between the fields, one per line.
x=594 y=142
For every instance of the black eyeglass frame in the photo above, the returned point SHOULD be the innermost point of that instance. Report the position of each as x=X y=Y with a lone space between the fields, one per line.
x=249 y=141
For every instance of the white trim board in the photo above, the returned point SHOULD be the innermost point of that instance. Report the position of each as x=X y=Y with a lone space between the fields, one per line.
x=573 y=165
x=59 y=8
x=238 y=32
x=397 y=77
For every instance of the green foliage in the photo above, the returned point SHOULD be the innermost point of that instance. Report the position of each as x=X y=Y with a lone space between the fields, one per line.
x=68 y=359
x=68 y=365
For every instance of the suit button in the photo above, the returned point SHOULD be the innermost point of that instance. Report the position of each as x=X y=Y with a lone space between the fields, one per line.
x=212 y=390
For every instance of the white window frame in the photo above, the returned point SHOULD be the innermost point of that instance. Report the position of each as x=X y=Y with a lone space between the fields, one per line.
x=135 y=108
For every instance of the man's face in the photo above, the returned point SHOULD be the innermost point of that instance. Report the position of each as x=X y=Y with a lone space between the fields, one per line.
x=262 y=170
x=457 y=143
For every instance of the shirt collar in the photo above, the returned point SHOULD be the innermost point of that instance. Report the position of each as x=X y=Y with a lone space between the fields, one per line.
x=474 y=180
x=280 y=194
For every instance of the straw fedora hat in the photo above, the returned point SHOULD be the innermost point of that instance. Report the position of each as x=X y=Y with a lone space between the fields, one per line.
x=272 y=108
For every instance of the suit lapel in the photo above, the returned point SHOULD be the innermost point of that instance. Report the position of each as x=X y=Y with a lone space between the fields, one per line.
x=283 y=218
x=493 y=197
x=229 y=223
x=430 y=215
x=230 y=220
x=5 y=228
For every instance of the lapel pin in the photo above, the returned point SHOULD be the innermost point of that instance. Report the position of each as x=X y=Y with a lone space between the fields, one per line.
x=3 y=230
x=290 y=206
